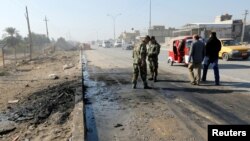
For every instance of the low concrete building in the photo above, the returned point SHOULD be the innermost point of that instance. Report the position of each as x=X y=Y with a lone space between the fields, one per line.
x=223 y=25
x=247 y=33
x=160 y=32
x=204 y=29
x=129 y=36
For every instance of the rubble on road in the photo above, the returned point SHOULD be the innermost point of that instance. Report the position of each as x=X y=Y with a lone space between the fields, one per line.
x=13 y=101
x=6 y=127
x=68 y=66
x=53 y=76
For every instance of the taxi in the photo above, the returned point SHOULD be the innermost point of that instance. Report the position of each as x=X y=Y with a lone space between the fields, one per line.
x=232 y=49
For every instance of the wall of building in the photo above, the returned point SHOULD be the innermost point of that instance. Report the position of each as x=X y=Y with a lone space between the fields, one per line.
x=129 y=36
x=160 y=33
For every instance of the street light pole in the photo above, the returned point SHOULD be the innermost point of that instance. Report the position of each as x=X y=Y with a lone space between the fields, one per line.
x=114 y=18
x=244 y=24
x=150 y=15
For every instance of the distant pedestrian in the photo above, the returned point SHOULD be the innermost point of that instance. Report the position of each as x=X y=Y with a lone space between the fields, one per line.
x=196 y=55
x=213 y=48
x=139 y=63
x=153 y=52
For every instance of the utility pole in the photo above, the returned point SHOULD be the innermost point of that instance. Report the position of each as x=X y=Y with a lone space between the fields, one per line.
x=244 y=24
x=30 y=38
x=114 y=18
x=46 y=20
x=150 y=14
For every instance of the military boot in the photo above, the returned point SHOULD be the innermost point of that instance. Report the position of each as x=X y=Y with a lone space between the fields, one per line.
x=134 y=86
x=155 y=77
x=152 y=77
x=146 y=86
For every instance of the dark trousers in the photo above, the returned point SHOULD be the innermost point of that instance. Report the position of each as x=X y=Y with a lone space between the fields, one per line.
x=215 y=68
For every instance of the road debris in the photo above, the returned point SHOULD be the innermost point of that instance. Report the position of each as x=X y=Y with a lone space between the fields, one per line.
x=6 y=127
x=53 y=76
x=13 y=101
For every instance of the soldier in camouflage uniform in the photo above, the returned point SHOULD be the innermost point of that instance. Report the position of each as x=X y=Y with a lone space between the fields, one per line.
x=140 y=64
x=153 y=52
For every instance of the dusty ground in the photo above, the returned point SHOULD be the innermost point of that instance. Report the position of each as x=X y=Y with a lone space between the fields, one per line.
x=43 y=110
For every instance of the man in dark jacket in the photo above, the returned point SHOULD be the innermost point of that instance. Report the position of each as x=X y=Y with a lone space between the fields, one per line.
x=213 y=48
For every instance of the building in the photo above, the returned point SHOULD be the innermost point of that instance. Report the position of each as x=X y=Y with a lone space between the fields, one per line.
x=224 y=26
x=247 y=33
x=129 y=36
x=160 y=33
x=237 y=29
x=223 y=30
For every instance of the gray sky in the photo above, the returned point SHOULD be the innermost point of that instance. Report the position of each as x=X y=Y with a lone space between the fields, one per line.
x=85 y=20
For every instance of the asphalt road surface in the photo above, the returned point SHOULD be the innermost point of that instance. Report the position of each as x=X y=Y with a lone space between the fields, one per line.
x=173 y=110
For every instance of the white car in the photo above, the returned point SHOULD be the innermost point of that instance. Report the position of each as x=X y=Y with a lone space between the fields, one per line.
x=128 y=46
x=118 y=44
x=106 y=44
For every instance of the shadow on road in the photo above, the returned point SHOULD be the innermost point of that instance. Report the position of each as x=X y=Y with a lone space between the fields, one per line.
x=175 y=81
x=233 y=66
x=227 y=83
x=203 y=90
x=227 y=116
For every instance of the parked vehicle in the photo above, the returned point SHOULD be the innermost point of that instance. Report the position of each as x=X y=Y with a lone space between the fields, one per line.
x=118 y=44
x=232 y=49
x=106 y=44
x=128 y=46
x=100 y=44
x=180 y=53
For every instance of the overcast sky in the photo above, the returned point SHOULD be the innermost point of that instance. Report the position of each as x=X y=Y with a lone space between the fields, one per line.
x=85 y=20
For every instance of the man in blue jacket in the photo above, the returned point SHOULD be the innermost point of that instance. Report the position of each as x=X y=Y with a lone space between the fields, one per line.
x=196 y=56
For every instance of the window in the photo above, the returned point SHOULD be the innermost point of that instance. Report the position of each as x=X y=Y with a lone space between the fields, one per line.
x=230 y=43
x=189 y=43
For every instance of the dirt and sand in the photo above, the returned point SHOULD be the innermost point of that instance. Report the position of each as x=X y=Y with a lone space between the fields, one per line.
x=38 y=97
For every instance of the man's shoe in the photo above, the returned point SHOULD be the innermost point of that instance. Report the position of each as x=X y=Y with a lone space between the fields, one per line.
x=147 y=87
x=151 y=78
x=155 y=79
x=217 y=84
x=192 y=83
x=134 y=86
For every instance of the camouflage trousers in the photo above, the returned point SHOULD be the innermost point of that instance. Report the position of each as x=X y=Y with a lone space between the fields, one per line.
x=153 y=66
x=142 y=70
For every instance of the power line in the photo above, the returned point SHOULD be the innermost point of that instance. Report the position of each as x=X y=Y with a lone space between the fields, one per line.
x=150 y=14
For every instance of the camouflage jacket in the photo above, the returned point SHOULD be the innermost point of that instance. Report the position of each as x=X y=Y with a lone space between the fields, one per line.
x=140 y=53
x=153 y=50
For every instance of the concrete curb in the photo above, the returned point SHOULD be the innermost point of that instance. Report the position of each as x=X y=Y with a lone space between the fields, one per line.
x=79 y=127
x=78 y=131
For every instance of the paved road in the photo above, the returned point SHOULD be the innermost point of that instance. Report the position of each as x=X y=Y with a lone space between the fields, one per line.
x=172 y=110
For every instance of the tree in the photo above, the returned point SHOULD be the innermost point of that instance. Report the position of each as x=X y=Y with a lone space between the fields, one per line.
x=38 y=39
x=11 y=31
x=64 y=45
x=12 y=39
